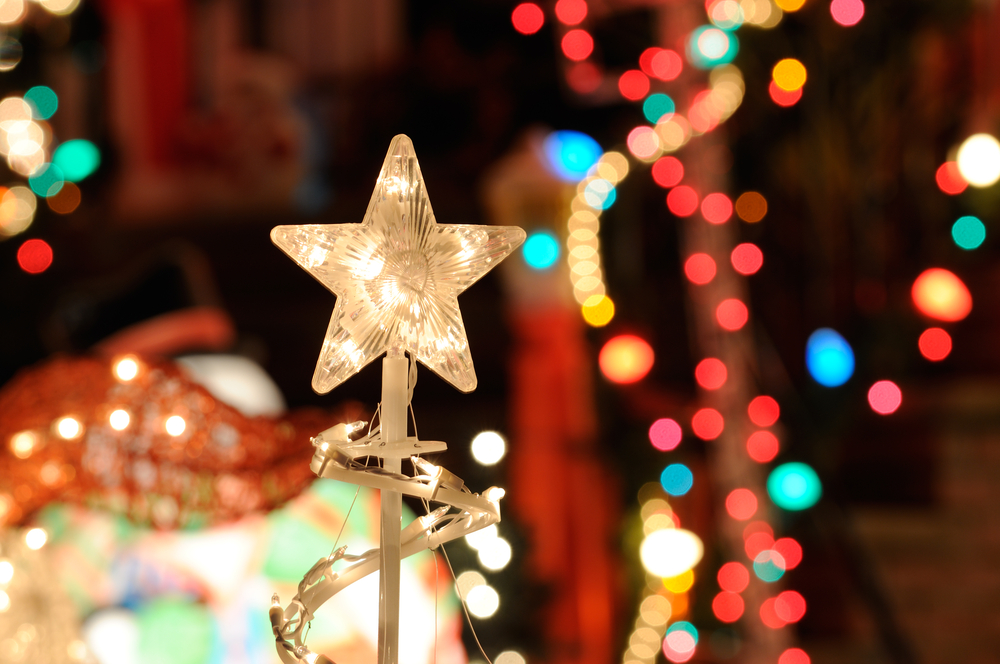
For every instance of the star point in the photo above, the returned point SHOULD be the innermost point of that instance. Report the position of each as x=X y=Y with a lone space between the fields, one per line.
x=397 y=276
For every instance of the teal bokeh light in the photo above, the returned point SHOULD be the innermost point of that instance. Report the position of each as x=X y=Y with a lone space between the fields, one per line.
x=676 y=479
x=794 y=486
x=47 y=180
x=657 y=106
x=43 y=102
x=709 y=46
x=570 y=154
x=968 y=232
x=541 y=250
x=769 y=566
x=77 y=159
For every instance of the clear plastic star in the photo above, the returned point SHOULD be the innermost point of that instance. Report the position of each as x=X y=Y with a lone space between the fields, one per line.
x=397 y=276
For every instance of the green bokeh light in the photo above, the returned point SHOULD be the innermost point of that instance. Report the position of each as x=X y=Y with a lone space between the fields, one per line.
x=968 y=232
x=656 y=106
x=77 y=159
x=43 y=102
x=47 y=180
x=794 y=486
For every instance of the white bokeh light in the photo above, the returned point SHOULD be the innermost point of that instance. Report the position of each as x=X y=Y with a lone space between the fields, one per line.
x=495 y=554
x=488 y=448
x=35 y=538
x=979 y=160
x=482 y=537
x=119 y=419
x=667 y=553
x=483 y=601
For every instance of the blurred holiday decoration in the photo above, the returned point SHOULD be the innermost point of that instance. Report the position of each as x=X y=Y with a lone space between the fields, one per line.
x=396 y=276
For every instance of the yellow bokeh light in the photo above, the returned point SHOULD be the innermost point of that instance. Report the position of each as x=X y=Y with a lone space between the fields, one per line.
x=175 y=425
x=598 y=310
x=655 y=610
x=60 y=7
x=68 y=428
x=22 y=444
x=119 y=419
x=616 y=161
x=11 y=11
x=790 y=5
x=680 y=583
x=789 y=74
x=17 y=210
x=126 y=369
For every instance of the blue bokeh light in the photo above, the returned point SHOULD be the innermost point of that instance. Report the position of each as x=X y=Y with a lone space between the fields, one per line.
x=676 y=479
x=570 y=154
x=829 y=357
x=541 y=250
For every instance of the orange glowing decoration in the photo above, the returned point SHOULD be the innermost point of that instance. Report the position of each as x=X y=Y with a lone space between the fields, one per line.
x=731 y=314
x=527 y=18
x=939 y=294
x=717 y=208
x=699 y=269
x=577 y=45
x=789 y=74
x=741 y=504
x=668 y=172
x=682 y=201
x=711 y=373
x=885 y=397
x=935 y=344
x=708 y=424
x=762 y=446
x=571 y=12
x=763 y=411
x=34 y=256
x=751 y=207
x=747 y=258
x=949 y=179
x=784 y=98
x=626 y=359
x=66 y=200
x=633 y=84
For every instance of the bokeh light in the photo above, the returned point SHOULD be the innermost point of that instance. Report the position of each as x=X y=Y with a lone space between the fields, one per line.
x=571 y=12
x=949 y=179
x=790 y=606
x=676 y=479
x=725 y=14
x=934 y=344
x=733 y=577
x=790 y=550
x=126 y=369
x=11 y=52
x=968 y=232
x=482 y=601
x=665 y=434
x=769 y=566
x=68 y=428
x=669 y=552
x=584 y=77
x=711 y=373
x=634 y=85
x=747 y=258
x=763 y=411
x=600 y=194
x=570 y=154
x=789 y=74
x=979 y=160
x=495 y=554
x=751 y=207
x=598 y=310
x=699 y=268
x=488 y=448
x=34 y=256
x=680 y=583
x=885 y=397
x=644 y=143
x=667 y=171
x=77 y=159
x=757 y=542
x=35 y=538
x=762 y=446
x=784 y=98
x=847 y=12
x=577 y=44
x=626 y=359
x=940 y=294
x=794 y=656
x=43 y=102
x=727 y=606
x=731 y=314
x=657 y=107
x=541 y=250
x=17 y=210
x=707 y=423
x=794 y=486
x=829 y=358
x=119 y=419
x=741 y=504
x=682 y=201
x=716 y=208
x=527 y=18
x=666 y=65
x=709 y=46
x=22 y=445
x=769 y=616
x=64 y=202
x=47 y=180
x=790 y=5
x=175 y=425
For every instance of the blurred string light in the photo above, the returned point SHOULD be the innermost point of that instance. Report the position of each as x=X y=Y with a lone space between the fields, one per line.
x=934 y=344
x=77 y=159
x=829 y=358
x=979 y=160
x=794 y=486
x=847 y=12
x=17 y=210
x=527 y=18
x=11 y=52
x=669 y=552
x=34 y=256
x=571 y=12
x=885 y=397
x=488 y=448
x=949 y=179
x=665 y=434
x=540 y=250
x=626 y=359
x=938 y=293
x=751 y=207
x=43 y=102
x=968 y=232
x=677 y=479
x=709 y=46
x=570 y=154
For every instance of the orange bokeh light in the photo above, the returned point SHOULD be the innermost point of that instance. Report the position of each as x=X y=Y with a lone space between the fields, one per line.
x=626 y=359
x=939 y=294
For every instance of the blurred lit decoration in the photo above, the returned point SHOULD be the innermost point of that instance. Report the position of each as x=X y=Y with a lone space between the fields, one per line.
x=682 y=201
x=657 y=107
x=397 y=282
x=934 y=344
x=47 y=180
x=733 y=577
x=236 y=380
x=670 y=551
x=634 y=85
x=751 y=207
x=707 y=423
x=626 y=359
x=979 y=160
x=577 y=45
x=64 y=202
x=11 y=53
x=677 y=479
x=938 y=293
x=719 y=102
x=527 y=18
x=680 y=641
x=540 y=250
x=643 y=143
x=790 y=606
x=716 y=208
x=789 y=74
x=727 y=606
x=17 y=210
x=829 y=358
x=762 y=446
x=667 y=171
x=77 y=159
x=790 y=5
x=570 y=154
x=488 y=448
x=680 y=583
x=223 y=466
x=710 y=373
x=794 y=486
x=11 y=11
x=731 y=314
x=847 y=12
x=59 y=7
x=708 y=47
x=661 y=63
x=43 y=102
x=665 y=434
x=949 y=179
x=598 y=310
x=699 y=269
x=885 y=397
x=741 y=504
x=968 y=232
x=763 y=411
x=584 y=77
x=794 y=656
x=571 y=12
x=784 y=97
x=34 y=256
x=768 y=566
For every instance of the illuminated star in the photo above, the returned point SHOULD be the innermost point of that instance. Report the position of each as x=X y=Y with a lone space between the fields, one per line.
x=397 y=276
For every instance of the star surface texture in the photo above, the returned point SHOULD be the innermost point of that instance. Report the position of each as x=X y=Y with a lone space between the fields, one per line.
x=397 y=276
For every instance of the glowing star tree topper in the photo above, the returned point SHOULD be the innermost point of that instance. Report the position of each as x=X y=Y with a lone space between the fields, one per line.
x=397 y=276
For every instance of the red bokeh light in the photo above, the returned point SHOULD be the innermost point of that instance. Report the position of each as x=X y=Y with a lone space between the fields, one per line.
x=584 y=77
x=847 y=12
x=885 y=397
x=747 y=258
x=665 y=434
x=756 y=543
x=731 y=314
x=784 y=97
x=741 y=504
x=527 y=18
x=935 y=344
x=794 y=656
x=733 y=577
x=668 y=171
x=646 y=60
x=940 y=294
x=633 y=84
x=682 y=201
x=949 y=179
x=577 y=44
x=711 y=373
x=762 y=446
x=667 y=65
x=763 y=411
x=717 y=208
x=625 y=359
x=769 y=616
x=790 y=606
x=707 y=424
x=34 y=256
x=727 y=606
x=757 y=527
x=571 y=12
x=699 y=268
x=790 y=550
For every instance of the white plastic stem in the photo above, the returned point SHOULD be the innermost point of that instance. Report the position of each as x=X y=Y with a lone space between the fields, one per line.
x=395 y=369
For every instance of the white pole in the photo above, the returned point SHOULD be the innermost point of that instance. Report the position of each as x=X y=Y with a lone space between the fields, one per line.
x=393 y=420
